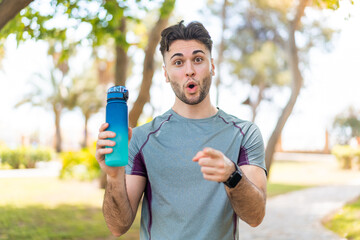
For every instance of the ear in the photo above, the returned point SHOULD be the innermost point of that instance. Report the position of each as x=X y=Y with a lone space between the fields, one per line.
x=165 y=74
x=212 y=70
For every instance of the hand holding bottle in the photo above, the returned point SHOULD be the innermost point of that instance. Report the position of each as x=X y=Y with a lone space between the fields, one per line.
x=104 y=145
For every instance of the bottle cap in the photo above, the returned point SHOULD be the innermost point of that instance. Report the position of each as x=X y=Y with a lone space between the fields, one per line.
x=119 y=92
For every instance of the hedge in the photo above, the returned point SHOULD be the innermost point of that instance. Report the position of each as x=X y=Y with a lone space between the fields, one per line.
x=24 y=157
x=347 y=156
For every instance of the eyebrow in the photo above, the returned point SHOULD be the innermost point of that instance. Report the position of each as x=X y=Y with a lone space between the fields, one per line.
x=181 y=55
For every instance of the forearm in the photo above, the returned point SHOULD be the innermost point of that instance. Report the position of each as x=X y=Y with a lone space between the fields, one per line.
x=248 y=201
x=117 y=210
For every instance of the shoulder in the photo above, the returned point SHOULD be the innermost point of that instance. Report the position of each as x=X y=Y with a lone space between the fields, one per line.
x=246 y=127
x=152 y=126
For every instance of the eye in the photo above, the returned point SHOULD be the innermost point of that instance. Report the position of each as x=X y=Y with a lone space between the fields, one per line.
x=198 y=59
x=178 y=62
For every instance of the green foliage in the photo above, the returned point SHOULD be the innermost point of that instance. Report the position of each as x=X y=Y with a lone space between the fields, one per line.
x=330 y=4
x=346 y=222
x=347 y=125
x=346 y=156
x=24 y=157
x=167 y=8
x=80 y=165
x=104 y=17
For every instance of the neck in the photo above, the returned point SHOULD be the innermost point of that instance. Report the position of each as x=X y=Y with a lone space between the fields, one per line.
x=198 y=111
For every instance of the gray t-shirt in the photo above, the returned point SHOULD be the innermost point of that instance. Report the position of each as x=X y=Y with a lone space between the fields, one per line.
x=178 y=202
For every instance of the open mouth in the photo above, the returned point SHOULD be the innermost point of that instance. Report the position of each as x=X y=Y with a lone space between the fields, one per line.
x=191 y=86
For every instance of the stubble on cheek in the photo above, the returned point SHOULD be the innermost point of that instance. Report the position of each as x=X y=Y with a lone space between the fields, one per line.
x=177 y=90
x=180 y=92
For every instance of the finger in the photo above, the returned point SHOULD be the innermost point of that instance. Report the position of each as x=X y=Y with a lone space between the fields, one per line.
x=212 y=152
x=208 y=162
x=208 y=170
x=106 y=134
x=198 y=155
x=100 y=155
x=103 y=127
x=103 y=151
x=214 y=178
x=105 y=143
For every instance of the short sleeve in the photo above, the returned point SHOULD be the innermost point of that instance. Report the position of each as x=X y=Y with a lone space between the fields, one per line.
x=136 y=164
x=252 y=148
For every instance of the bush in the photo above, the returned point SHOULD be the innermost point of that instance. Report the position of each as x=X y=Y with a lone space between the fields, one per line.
x=346 y=155
x=24 y=157
x=80 y=165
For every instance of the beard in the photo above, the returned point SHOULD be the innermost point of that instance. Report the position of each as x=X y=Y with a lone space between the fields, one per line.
x=204 y=90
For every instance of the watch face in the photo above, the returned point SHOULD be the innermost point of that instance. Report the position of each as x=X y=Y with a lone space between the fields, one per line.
x=235 y=179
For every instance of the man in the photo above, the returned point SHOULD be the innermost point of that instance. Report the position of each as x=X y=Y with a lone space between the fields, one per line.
x=198 y=167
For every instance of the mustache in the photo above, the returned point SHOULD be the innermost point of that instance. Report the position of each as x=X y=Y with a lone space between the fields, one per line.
x=197 y=82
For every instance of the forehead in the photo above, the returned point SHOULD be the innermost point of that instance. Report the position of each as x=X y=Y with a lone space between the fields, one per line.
x=186 y=47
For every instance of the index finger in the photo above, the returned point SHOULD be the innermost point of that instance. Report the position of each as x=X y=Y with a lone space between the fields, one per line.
x=210 y=152
x=103 y=127
x=198 y=155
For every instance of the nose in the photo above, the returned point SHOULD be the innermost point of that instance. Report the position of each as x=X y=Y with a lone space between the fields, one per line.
x=189 y=69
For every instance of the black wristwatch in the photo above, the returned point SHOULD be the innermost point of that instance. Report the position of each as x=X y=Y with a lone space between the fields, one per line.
x=234 y=178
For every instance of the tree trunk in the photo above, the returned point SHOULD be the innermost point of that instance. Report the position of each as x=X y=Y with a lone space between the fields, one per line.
x=149 y=68
x=85 y=141
x=221 y=52
x=9 y=9
x=58 y=139
x=296 y=86
x=121 y=58
x=254 y=106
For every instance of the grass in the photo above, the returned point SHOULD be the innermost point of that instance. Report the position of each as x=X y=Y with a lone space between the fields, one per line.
x=47 y=208
x=274 y=189
x=346 y=222
x=61 y=222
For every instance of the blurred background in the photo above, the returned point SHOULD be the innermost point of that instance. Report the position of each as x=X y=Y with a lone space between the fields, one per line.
x=289 y=66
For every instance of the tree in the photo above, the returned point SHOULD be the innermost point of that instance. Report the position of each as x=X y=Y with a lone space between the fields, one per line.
x=107 y=20
x=262 y=50
x=89 y=96
x=264 y=69
x=9 y=9
x=108 y=26
x=294 y=27
x=221 y=48
x=347 y=125
x=253 y=59
x=56 y=100
x=60 y=96
x=149 y=63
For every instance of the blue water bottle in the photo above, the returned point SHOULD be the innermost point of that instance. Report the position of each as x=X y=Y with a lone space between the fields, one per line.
x=117 y=117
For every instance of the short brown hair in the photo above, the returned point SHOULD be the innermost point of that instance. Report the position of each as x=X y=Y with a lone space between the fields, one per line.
x=193 y=31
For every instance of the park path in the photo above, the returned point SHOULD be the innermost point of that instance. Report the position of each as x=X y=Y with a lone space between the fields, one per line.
x=298 y=215
x=43 y=169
